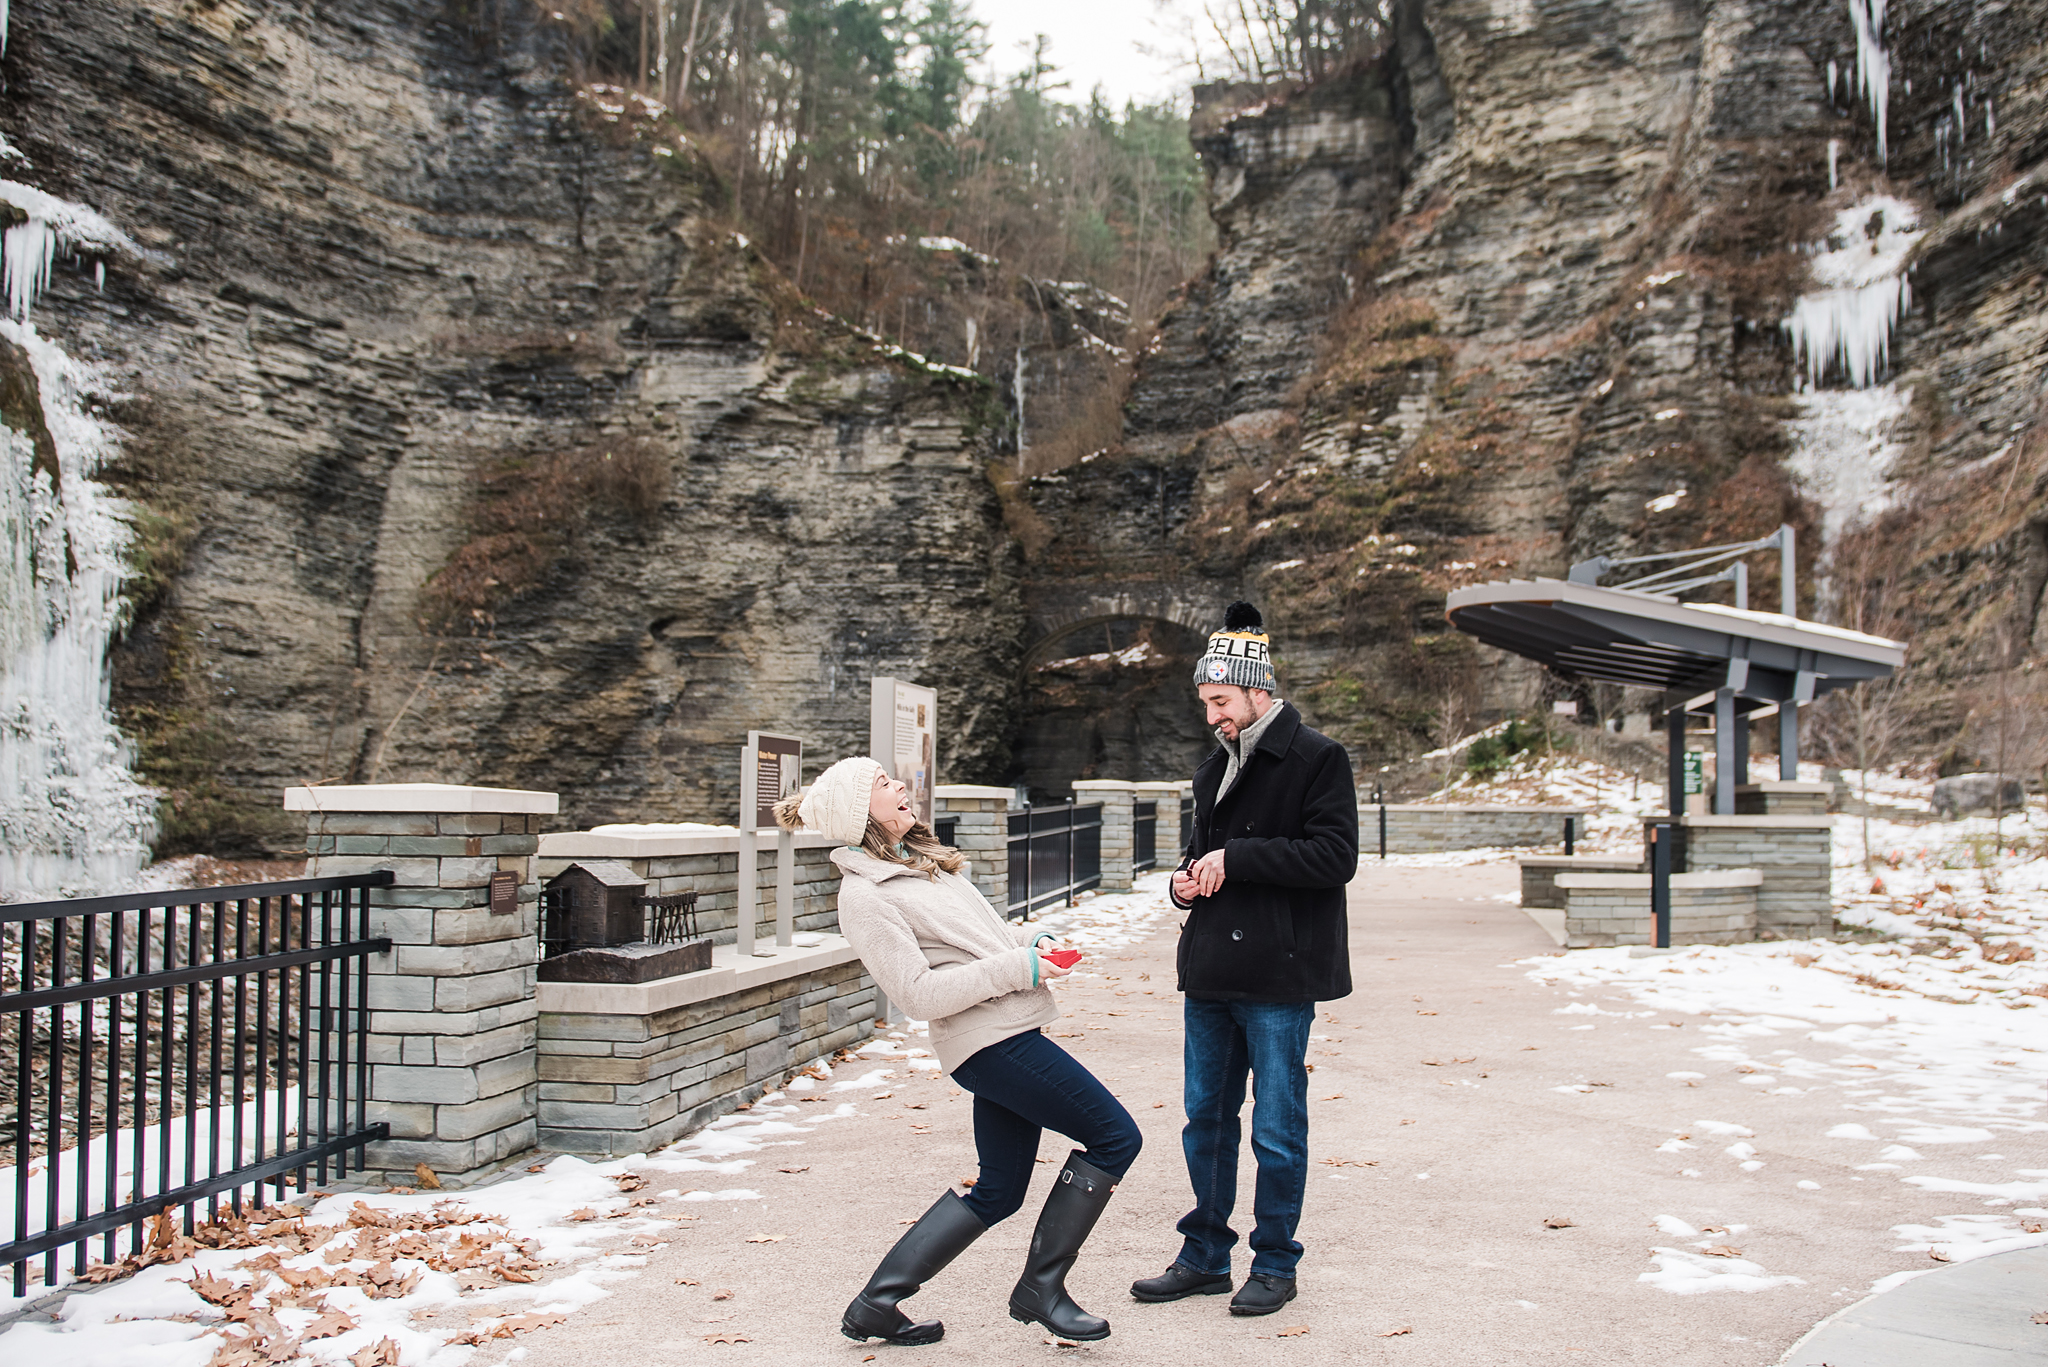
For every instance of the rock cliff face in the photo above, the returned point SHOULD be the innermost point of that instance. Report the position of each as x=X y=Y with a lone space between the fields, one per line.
x=465 y=441
x=467 y=444
x=1515 y=294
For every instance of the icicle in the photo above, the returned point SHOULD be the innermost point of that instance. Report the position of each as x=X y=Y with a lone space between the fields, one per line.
x=1017 y=385
x=1834 y=78
x=25 y=253
x=1962 y=120
x=1849 y=323
x=1873 y=63
x=1990 y=119
x=3 y=27
x=99 y=276
x=1834 y=155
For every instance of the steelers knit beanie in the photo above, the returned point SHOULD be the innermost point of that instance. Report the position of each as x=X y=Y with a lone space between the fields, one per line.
x=1239 y=654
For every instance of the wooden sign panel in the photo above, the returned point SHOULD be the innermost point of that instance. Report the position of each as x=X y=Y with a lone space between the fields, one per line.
x=504 y=893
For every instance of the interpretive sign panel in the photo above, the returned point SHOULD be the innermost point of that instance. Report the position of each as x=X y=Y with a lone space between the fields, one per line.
x=903 y=728
x=771 y=769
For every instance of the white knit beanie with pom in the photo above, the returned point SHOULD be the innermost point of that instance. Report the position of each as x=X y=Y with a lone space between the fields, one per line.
x=837 y=804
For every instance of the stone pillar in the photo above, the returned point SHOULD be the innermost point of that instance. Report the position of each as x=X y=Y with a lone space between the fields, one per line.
x=452 y=1013
x=983 y=833
x=1116 y=797
x=1165 y=800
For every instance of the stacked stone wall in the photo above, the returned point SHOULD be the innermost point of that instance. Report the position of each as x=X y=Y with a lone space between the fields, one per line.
x=623 y=1082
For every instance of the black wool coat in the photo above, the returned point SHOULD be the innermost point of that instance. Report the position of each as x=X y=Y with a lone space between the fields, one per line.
x=1276 y=930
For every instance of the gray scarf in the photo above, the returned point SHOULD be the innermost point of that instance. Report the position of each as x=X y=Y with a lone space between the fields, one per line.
x=1234 y=751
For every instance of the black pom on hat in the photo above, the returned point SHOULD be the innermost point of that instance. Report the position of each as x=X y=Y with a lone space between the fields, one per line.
x=1242 y=616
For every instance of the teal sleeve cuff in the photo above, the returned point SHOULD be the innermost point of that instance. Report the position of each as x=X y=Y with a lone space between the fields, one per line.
x=1034 y=969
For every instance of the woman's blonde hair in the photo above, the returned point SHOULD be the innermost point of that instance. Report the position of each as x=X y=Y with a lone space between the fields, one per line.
x=919 y=849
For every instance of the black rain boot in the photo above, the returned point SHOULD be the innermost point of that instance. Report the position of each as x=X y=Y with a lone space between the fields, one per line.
x=939 y=1236
x=1078 y=1197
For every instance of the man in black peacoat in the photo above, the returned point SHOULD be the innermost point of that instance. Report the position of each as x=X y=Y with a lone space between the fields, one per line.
x=1275 y=840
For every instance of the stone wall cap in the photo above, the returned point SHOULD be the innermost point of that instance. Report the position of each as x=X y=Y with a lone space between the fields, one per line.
x=1706 y=878
x=1164 y=785
x=645 y=844
x=420 y=797
x=1531 y=809
x=1768 y=823
x=1089 y=785
x=1588 y=862
x=731 y=972
x=1786 y=785
x=973 y=790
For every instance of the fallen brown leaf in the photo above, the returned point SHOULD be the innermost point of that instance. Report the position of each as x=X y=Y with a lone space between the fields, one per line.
x=630 y=1181
x=583 y=1213
x=723 y=1293
x=1473 y=1059
x=686 y=1281
x=726 y=1336
x=1559 y=1222
x=1939 y=1256
x=1334 y=1096
x=765 y=1238
x=648 y=1241
x=327 y=1324
x=474 y=1280
x=1420 y=1013
x=2032 y=1227
x=1292 y=1331
x=1407 y=1122
x=2040 y=1317
x=382 y=1353
x=1723 y=1251
x=425 y=1177
x=1432 y=1063
x=1709 y=1229
x=805 y=1168
x=1396 y=1333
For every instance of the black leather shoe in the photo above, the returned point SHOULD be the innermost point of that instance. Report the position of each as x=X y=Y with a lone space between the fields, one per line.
x=1178 y=1281
x=1262 y=1294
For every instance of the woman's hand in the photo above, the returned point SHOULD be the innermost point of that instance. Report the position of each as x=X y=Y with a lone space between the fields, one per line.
x=1046 y=967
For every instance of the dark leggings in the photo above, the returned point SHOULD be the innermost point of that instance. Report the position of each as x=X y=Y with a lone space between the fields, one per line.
x=1025 y=1085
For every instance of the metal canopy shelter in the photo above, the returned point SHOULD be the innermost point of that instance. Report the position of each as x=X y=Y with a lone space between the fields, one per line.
x=1700 y=656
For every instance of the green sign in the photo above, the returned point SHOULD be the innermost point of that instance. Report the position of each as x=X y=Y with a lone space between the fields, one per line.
x=1695 y=772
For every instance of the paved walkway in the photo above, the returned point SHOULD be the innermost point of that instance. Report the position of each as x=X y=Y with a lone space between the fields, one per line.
x=1461 y=1209
x=1976 y=1314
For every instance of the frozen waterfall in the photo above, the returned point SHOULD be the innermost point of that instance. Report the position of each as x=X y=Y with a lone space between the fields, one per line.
x=72 y=815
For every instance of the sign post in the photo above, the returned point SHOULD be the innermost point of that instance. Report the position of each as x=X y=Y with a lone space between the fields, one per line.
x=903 y=727
x=771 y=769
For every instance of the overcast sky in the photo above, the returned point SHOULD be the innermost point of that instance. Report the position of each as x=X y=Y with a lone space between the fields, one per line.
x=1132 y=48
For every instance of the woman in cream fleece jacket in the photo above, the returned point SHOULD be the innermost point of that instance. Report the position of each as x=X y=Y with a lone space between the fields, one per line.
x=936 y=946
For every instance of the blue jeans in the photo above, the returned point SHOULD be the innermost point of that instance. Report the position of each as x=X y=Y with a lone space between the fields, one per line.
x=1022 y=1086
x=1225 y=1039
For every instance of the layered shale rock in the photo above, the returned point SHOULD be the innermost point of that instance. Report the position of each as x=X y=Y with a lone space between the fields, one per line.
x=1515 y=293
x=467 y=442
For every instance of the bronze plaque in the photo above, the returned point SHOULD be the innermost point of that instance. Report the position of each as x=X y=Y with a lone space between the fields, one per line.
x=504 y=893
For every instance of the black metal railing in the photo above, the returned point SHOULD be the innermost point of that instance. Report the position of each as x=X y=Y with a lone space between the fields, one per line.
x=1187 y=822
x=947 y=829
x=1144 y=836
x=1055 y=852
x=166 y=1048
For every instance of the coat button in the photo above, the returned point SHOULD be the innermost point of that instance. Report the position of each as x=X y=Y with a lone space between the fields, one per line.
x=1237 y=935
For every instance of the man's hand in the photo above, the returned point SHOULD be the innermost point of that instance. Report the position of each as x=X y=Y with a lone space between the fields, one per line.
x=1208 y=873
x=1184 y=886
